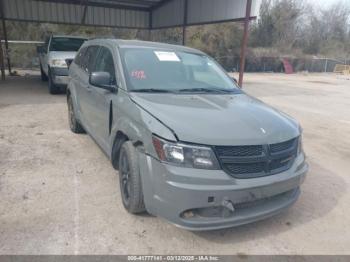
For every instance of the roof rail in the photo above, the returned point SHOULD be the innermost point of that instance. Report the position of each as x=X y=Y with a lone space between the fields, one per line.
x=102 y=37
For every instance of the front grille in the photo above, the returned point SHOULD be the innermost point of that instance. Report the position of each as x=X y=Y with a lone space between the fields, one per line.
x=239 y=150
x=275 y=148
x=246 y=168
x=257 y=160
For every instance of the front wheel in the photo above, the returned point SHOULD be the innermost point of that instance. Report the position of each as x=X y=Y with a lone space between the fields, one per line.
x=42 y=74
x=130 y=179
x=53 y=89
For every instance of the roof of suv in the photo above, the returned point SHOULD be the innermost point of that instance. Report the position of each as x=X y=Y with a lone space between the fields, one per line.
x=139 y=43
x=70 y=36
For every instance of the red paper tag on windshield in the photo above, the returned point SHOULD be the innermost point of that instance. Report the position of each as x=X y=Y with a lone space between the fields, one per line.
x=138 y=74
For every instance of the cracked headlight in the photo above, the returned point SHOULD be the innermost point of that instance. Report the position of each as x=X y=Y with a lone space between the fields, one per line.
x=185 y=155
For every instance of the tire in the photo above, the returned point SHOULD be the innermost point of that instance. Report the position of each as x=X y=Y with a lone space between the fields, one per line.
x=130 y=179
x=53 y=89
x=43 y=75
x=74 y=125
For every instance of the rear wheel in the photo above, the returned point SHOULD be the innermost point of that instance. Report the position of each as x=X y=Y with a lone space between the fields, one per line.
x=130 y=180
x=74 y=125
x=53 y=89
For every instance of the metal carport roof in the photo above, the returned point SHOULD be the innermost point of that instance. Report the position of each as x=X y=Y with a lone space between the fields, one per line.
x=135 y=14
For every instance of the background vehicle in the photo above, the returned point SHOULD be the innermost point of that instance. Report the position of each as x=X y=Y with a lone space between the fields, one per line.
x=189 y=145
x=52 y=57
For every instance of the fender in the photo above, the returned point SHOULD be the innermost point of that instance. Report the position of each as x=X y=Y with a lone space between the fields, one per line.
x=136 y=124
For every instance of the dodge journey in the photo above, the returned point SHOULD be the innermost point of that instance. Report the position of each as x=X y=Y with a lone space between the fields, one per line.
x=189 y=145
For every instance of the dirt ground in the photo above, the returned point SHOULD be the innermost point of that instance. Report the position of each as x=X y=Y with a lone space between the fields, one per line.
x=59 y=194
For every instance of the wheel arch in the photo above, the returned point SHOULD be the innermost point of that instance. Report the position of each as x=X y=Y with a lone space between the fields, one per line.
x=118 y=141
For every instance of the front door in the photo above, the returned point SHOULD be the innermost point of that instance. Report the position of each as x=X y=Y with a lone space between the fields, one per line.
x=100 y=117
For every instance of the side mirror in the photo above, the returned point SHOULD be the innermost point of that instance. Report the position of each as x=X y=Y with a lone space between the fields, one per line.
x=69 y=62
x=102 y=80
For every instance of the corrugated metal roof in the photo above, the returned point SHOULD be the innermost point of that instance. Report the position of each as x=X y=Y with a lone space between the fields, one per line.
x=141 y=14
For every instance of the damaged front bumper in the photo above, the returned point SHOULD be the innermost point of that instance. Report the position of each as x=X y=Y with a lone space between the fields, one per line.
x=198 y=199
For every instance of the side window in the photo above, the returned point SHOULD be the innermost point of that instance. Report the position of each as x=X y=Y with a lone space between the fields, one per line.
x=105 y=63
x=79 y=57
x=88 y=58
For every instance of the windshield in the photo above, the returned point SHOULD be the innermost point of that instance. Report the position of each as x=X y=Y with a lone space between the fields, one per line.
x=66 y=44
x=157 y=70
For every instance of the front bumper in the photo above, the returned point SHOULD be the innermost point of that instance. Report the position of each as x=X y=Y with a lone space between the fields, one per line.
x=198 y=199
x=59 y=76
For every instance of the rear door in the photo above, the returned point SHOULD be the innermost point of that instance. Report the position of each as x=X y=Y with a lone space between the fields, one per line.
x=101 y=99
x=75 y=72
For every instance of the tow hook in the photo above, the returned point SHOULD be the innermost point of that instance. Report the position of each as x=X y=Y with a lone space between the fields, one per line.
x=229 y=208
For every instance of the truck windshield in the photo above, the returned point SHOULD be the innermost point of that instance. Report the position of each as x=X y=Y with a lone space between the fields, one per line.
x=66 y=44
x=157 y=70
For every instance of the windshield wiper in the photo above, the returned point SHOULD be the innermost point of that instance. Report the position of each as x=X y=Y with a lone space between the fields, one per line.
x=207 y=90
x=151 y=90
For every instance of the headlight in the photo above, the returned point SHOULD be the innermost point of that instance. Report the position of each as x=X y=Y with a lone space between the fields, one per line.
x=300 y=141
x=58 y=63
x=185 y=155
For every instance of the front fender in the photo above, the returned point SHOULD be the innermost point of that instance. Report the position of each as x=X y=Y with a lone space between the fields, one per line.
x=137 y=124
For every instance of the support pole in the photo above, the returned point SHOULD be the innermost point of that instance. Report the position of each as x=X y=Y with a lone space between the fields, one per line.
x=150 y=25
x=184 y=23
x=244 y=42
x=84 y=6
x=2 y=63
x=83 y=18
x=5 y=35
x=183 y=35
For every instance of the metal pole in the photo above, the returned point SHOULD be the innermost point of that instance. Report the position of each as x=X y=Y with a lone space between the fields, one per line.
x=244 y=42
x=183 y=35
x=2 y=66
x=150 y=25
x=5 y=36
x=184 y=23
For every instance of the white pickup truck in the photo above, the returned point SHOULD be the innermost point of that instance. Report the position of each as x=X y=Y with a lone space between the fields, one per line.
x=53 y=55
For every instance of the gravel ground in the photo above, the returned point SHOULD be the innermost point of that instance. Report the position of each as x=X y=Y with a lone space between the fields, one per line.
x=59 y=194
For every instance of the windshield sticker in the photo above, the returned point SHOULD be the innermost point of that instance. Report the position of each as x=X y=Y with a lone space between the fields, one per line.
x=138 y=74
x=167 y=56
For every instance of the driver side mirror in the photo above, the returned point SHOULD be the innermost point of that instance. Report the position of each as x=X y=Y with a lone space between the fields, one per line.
x=102 y=80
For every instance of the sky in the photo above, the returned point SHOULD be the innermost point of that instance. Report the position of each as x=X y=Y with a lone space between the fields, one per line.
x=326 y=3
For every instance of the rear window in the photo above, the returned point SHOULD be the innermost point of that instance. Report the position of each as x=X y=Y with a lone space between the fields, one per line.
x=66 y=44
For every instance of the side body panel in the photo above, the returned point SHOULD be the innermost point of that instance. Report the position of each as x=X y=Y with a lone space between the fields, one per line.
x=44 y=57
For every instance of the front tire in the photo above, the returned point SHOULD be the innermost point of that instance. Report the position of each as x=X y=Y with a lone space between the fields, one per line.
x=53 y=89
x=130 y=179
x=74 y=125
x=42 y=74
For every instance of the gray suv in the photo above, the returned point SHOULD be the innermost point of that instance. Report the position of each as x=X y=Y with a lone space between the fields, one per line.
x=190 y=146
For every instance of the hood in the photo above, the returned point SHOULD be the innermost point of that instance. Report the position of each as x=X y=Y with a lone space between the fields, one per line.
x=62 y=55
x=219 y=119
